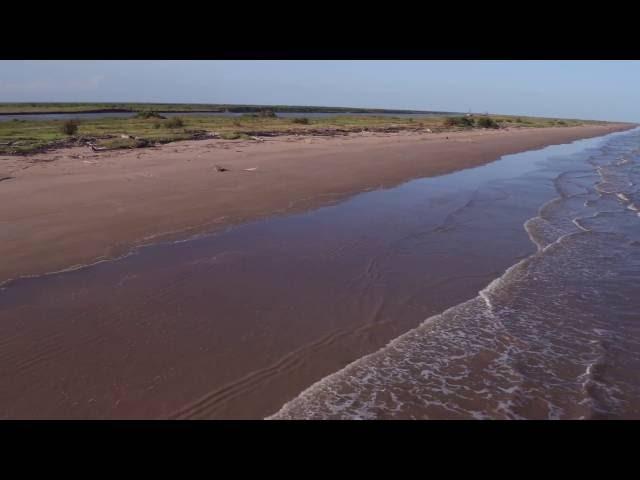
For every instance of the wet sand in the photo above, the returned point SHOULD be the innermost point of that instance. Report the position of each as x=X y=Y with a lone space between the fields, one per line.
x=234 y=325
x=72 y=207
x=557 y=336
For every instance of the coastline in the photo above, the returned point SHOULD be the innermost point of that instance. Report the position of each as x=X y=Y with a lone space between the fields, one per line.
x=237 y=324
x=75 y=206
x=412 y=368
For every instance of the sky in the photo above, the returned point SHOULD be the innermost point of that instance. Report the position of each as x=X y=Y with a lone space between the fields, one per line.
x=599 y=90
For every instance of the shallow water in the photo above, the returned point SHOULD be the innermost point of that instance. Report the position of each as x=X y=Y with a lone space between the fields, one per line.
x=556 y=336
x=235 y=324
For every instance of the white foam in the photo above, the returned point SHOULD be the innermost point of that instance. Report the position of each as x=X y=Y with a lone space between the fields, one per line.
x=400 y=348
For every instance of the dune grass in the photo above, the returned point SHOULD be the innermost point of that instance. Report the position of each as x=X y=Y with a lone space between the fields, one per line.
x=24 y=136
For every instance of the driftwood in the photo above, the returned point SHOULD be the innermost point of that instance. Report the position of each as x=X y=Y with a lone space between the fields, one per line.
x=97 y=149
x=221 y=169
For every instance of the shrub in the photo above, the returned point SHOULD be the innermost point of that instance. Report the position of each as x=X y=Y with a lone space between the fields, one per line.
x=149 y=114
x=69 y=127
x=267 y=113
x=175 y=122
x=487 y=122
x=303 y=121
x=561 y=122
x=458 y=122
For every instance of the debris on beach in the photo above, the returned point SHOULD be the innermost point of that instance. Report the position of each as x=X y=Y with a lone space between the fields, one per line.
x=253 y=169
x=97 y=149
x=221 y=169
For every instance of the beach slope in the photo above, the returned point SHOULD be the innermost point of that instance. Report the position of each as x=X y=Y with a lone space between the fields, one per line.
x=75 y=206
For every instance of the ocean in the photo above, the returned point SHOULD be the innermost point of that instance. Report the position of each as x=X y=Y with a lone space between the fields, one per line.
x=556 y=336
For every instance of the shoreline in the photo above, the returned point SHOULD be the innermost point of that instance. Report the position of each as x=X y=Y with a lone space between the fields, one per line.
x=235 y=325
x=422 y=346
x=76 y=207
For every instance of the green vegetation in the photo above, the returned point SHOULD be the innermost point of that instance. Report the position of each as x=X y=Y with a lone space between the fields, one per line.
x=175 y=122
x=69 y=127
x=28 y=136
x=464 y=122
x=149 y=114
x=487 y=122
x=234 y=136
x=500 y=121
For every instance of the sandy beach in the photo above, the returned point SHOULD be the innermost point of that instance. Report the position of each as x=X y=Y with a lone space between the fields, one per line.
x=74 y=207
x=236 y=324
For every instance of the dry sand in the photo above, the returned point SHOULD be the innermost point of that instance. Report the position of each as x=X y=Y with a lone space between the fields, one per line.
x=72 y=207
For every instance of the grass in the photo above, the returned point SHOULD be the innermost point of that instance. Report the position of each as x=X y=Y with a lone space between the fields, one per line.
x=175 y=122
x=234 y=136
x=32 y=136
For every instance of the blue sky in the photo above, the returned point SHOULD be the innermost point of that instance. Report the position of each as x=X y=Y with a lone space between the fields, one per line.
x=608 y=90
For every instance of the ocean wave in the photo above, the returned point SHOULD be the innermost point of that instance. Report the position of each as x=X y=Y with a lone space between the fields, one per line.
x=556 y=336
